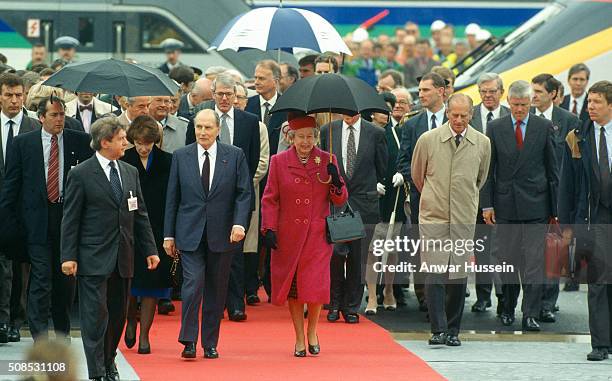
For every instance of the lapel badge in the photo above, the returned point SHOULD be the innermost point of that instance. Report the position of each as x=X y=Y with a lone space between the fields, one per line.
x=317 y=160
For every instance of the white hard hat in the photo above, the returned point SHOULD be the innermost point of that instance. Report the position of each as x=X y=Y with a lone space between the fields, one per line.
x=483 y=35
x=437 y=25
x=360 y=34
x=472 y=29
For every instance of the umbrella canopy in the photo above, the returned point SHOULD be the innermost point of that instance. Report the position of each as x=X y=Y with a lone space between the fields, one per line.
x=111 y=76
x=271 y=28
x=330 y=93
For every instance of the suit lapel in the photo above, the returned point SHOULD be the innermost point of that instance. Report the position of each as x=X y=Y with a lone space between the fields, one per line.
x=476 y=120
x=37 y=151
x=363 y=144
x=593 y=153
x=100 y=177
x=193 y=166
x=506 y=131
x=531 y=134
x=220 y=167
x=337 y=145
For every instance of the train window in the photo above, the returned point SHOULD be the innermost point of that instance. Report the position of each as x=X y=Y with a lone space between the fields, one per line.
x=155 y=29
x=86 y=31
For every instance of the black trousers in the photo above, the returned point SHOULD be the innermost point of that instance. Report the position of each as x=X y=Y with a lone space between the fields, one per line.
x=600 y=280
x=235 y=289
x=251 y=279
x=19 y=293
x=486 y=280
x=50 y=290
x=445 y=302
x=346 y=289
x=521 y=244
x=205 y=283
x=103 y=309
x=6 y=283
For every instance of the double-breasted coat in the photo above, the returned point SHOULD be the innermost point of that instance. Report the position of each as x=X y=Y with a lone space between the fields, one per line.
x=449 y=179
x=294 y=205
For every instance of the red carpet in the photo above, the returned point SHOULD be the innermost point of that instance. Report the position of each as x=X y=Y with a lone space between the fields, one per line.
x=262 y=349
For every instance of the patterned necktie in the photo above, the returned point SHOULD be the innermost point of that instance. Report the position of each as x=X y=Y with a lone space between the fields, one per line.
x=518 y=133
x=205 y=176
x=575 y=108
x=115 y=182
x=433 y=121
x=266 y=116
x=53 y=172
x=604 y=168
x=9 y=137
x=351 y=152
x=225 y=132
x=458 y=139
x=489 y=117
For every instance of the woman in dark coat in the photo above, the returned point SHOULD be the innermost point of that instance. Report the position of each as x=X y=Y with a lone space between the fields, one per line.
x=153 y=166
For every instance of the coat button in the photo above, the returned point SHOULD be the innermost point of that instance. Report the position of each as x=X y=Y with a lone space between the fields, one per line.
x=297 y=220
x=297 y=180
x=306 y=201
x=297 y=201
x=306 y=221
x=306 y=182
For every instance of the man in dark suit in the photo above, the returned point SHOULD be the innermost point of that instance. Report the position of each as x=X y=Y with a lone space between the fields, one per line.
x=585 y=206
x=361 y=149
x=39 y=162
x=206 y=218
x=105 y=218
x=200 y=92
x=520 y=197
x=86 y=108
x=431 y=95
x=576 y=102
x=491 y=89
x=544 y=91
x=13 y=121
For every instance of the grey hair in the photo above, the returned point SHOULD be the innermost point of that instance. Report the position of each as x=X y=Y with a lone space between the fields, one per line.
x=208 y=111
x=104 y=129
x=131 y=100
x=224 y=79
x=243 y=86
x=236 y=74
x=459 y=97
x=520 y=89
x=488 y=77
x=215 y=70
x=403 y=90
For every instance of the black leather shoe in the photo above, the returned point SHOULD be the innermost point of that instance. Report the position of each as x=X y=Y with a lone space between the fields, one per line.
x=547 y=316
x=571 y=285
x=530 y=324
x=453 y=341
x=610 y=350
x=165 y=306
x=598 y=354
x=142 y=350
x=13 y=335
x=211 y=353
x=467 y=293
x=314 y=349
x=237 y=316
x=252 y=300
x=350 y=318
x=333 y=315
x=437 y=338
x=500 y=307
x=481 y=306
x=189 y=352
x=112 y=374
x=507 y=319
x=3 y=333
x=299 y=353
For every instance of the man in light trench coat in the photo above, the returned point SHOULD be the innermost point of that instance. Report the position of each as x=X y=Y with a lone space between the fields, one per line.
x=449 y=166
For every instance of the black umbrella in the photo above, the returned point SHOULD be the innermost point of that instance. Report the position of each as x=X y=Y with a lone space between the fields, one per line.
x=111 y=76
x=331 y=93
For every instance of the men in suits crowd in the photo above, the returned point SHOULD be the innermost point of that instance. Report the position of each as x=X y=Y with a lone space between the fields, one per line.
x=576 y=101
x=206 y=220
x=38 y=165
x=431 y=95
x=13 y=121
x=449 y=166
x=104 y=219
x=200 y=92
x=361 y=149
x=585 y=208
x=135 y=106
x=491 y=89
x=86 y=108
x=520 y=196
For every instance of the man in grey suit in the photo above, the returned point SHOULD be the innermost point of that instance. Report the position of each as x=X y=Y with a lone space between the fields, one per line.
x=207 y=210
x=544 y=91
x=105 y=222
x=174 y=127
x=361 y=149
x=491 y=89
x=13 y=121
x=520 y=197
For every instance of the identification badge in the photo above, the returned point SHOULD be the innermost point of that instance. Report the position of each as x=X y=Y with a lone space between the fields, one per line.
x=132 y=203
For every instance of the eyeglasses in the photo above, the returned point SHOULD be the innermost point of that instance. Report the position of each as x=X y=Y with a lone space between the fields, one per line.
x=227 y=95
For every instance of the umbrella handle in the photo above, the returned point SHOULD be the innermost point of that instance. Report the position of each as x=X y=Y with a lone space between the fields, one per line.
x=321 y=181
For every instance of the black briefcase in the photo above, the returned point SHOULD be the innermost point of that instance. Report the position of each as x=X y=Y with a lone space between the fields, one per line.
x=345 y=227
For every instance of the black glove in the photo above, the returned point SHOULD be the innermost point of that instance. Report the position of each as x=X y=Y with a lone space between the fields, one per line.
x=270 y=239
x=332 y=170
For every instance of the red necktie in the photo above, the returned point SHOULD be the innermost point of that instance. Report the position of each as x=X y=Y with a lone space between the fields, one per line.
x=575 y=108
x=53 y=172
x=519 y=135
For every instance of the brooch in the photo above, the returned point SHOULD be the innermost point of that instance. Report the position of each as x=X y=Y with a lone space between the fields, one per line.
x=317 y=160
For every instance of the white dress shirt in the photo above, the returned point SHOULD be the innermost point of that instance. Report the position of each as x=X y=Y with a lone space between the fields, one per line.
x=229 y=120
x=46 y=144
x=105 y=163
x=547 y=113
x=439 y=117
x=345 y=137
x=271 y=103
x=212 y=158
x=484 y=112
x=85 y=116
x=579 y=102
x=608 y=133
x=5 y=129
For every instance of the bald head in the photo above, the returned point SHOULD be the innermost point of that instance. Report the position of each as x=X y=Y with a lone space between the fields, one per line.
x=201 y=91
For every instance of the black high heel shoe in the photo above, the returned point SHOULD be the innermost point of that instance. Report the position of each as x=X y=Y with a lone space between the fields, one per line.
x=314 y=349
x=130 y=340
x=301 y=353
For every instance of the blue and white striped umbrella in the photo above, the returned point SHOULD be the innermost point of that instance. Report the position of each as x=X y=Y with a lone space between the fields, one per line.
x=271 y=28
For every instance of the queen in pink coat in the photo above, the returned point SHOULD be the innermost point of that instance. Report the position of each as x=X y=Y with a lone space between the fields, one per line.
x=294 y=206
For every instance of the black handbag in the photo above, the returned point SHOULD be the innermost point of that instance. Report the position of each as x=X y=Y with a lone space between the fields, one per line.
x=345 y=227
